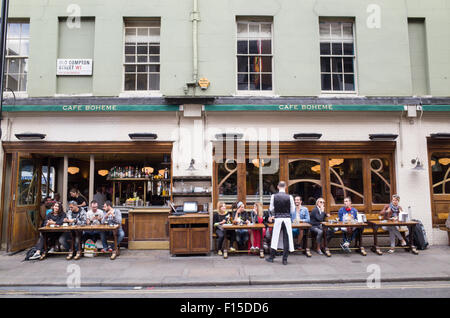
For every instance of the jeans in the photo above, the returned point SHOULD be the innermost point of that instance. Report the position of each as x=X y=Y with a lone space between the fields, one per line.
x=52 y=237
x=221 y=237
x=318 y=233
x=121 y=235
x=393 y=232
x=355 y=234
x=241 y=237
x=285 y=244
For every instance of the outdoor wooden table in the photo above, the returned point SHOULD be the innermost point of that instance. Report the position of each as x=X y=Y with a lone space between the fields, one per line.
x=229 y=227
x=56 y=229
x=377 y=224
x=356 y=225
x=300 y=226
x=74 y=230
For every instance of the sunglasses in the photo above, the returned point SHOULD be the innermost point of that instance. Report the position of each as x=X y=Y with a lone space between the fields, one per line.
x=320 y=201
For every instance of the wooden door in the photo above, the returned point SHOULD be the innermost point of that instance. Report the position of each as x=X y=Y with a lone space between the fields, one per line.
x=24 y=218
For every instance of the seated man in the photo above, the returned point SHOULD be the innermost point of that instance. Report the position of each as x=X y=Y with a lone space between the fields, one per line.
x=347 y=214
x=112 y=217
x=301 y=215
x=75 y=216
x=94 y=216
x=319 y=215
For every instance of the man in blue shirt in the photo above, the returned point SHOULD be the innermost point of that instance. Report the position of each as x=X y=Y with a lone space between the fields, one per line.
x=300 y=215
x=348 y=214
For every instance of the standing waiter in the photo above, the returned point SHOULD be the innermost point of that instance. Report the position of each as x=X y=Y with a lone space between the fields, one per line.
x=281 y=205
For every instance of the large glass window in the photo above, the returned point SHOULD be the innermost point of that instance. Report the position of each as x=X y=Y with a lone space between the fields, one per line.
x=258 y=177
x=254 y=56
x=440 y=170
x=227 y=181
x=27 y=183
x=337 y=56
x=380 y=169
x=17 y=52
x=142 y=56
x=346 y=180
x=305 y=179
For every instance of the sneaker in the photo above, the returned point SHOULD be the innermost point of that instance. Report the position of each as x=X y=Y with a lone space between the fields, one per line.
x=52 y=250
x=347 y=244
x=391 y=251
x=256 y=249
x=232 y=249
x=36 y=255
x=319 y=252
x=403 y=243
x=219 y=252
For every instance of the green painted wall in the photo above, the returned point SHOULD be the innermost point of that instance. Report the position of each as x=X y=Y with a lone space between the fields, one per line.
x=383 y=54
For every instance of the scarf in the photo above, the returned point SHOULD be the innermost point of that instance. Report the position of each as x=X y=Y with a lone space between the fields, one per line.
x=394 y=209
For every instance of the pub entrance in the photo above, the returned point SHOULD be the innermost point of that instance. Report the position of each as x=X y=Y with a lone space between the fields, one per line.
x=135 y=176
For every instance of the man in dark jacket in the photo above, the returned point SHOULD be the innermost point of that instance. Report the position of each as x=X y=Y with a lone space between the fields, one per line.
x=318 y=216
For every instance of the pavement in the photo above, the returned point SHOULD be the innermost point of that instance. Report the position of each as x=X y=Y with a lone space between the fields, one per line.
x=152 y=268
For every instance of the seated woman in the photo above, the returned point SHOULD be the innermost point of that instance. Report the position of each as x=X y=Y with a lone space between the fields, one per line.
x=391 y=212
x=257 y=217
x=219 y=219
x=240 y=217
x=56 y=217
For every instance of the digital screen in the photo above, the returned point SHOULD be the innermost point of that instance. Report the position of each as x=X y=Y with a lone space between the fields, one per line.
x=190 y=207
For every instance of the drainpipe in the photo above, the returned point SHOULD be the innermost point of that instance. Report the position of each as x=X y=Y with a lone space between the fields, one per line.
x=195 y=18
x=3 y=33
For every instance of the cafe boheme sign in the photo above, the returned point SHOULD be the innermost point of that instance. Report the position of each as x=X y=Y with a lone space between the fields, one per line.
x=306 y=107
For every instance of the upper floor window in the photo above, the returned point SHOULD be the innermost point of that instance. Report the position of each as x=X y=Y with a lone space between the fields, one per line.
x=337 y=56
x=17 y=52
x=142 y=55
x=254 y=55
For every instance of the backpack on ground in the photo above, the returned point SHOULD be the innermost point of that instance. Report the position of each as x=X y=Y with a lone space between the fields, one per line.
x=419 y=236
x=30 y=253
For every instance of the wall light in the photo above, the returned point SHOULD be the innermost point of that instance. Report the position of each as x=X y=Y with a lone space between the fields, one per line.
x=103 y=172
x=30 y=136
x=143 y=136
x=382 y=137
x=307 y=136
x=73 y=170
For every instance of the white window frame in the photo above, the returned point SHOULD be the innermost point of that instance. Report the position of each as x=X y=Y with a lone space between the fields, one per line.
x=259 y=92
x=340 y=93
x=140 y=93
x=7 y=92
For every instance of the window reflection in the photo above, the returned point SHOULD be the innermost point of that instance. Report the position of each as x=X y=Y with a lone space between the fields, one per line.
x=304 y=179
x=27 y=183
x=346 y=180
x=227 y=178
x=440 y=170
x=270 y=179
x=381 y=181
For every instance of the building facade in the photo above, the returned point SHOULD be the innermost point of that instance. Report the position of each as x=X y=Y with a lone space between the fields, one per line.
x=85 y=75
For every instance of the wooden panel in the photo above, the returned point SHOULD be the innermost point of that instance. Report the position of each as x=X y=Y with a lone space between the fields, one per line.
x=149 y=226
x=23 y=233
x=179 y=240
x=148 y=245
x=38 y=147
x=199 y=238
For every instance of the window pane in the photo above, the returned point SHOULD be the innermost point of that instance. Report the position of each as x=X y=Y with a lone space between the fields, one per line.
x=23 y=83
x=255 y=64
x=337 y=64
x=227 y=181
x=130 y=82
x=24 y=47
x=337 y=48
x=348 y=31
x=243 y=64
x=266 y=64
x=13 y=30
x=154 y=82
x=337 y=82
x=130 y=49
x=253 y=47
x=27 y=189
x=269 y=184
x=13 y=66
x=325 y=31
x=25 y=30
x=242 y=47
x=348 y=65
x=142 y=49
x=440 y=170
x=381 y=181
x=349 y=82
x=304 y=179
x=266 y=30
x=154 y=58
x=253 y=30
x=23 y=66
x=346 y=178
x=130 y=68
x=348 y=49
x=154 y=49
x=325 y=48
x=266 y=84
x=154 y=68
x=243 y=81
x=142 y=32
x=13 y=47
x=142 y=59
x=266 y=47
x=142 y=68
x=142 y=82
x=336 y=30
x=326 y=82
x=255 y=82
x=242 y=30
x=325 y=64
x=130 y=59
x=13 y=82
